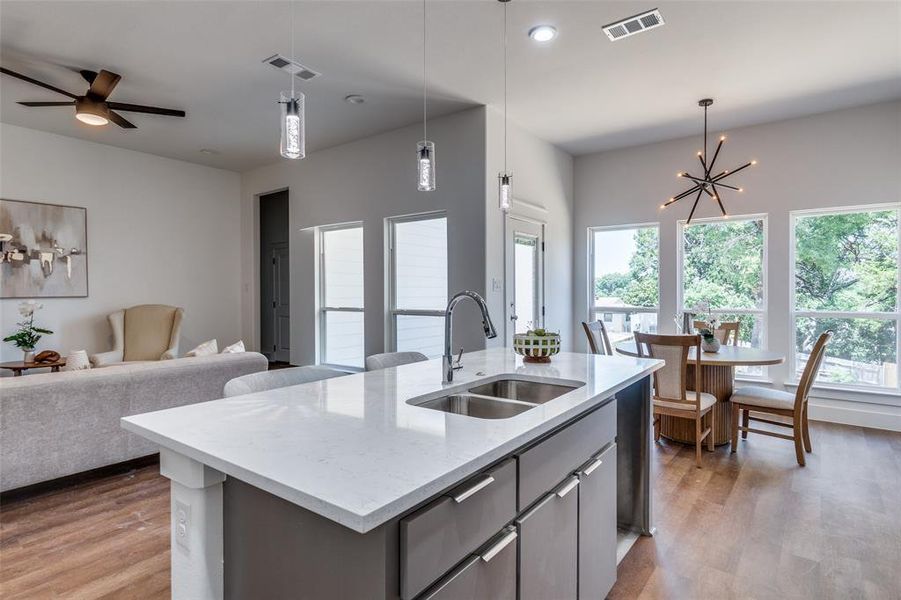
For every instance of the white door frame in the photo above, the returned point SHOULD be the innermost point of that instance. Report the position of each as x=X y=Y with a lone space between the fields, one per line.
x=537 y=228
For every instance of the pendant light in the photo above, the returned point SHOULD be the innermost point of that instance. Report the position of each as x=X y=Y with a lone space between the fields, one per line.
x=425 y=150
x=293 y=139
x=505 y=178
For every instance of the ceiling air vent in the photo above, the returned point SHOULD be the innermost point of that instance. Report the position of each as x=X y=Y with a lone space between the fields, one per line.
x=632 y=25
x=295 y=68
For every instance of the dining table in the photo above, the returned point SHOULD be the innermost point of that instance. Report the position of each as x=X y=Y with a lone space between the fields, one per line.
x=717 y=378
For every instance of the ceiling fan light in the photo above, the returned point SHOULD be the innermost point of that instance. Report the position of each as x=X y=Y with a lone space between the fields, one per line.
x=91 y=113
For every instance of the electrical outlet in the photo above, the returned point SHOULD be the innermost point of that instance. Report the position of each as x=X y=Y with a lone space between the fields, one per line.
x=182 y=524
x=495 y=284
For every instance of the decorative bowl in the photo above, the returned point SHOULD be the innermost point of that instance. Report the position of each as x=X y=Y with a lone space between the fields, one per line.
x=536 y=347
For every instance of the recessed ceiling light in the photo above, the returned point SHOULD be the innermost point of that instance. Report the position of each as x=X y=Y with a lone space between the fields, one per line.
x=543 y=33
x=354 y=99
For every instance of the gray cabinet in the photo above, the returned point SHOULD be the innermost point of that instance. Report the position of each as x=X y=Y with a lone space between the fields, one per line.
x=441 y=534
x=543 y=465
x=488 y=575
x=548 y=545
x=597 y=525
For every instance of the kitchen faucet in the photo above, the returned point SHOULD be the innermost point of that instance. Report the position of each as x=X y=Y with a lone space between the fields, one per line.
x=448 y=360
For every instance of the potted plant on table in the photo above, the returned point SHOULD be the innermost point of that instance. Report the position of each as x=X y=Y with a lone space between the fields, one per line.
x=28 y=335
x=709 y=341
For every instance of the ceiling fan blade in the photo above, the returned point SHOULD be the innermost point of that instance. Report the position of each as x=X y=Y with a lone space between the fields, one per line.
x=121 y=122
x=46 y=103
x=151 y=110
x=46 y=86
x=103 y=84
x=88 y=75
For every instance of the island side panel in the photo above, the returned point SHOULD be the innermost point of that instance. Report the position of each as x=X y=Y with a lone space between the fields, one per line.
x=276 y=549
x=633 y=439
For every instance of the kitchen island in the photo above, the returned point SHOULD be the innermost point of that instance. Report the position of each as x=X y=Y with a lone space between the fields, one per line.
x=374 y=485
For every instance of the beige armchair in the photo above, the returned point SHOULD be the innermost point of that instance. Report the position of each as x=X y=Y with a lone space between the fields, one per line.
x=147 y=332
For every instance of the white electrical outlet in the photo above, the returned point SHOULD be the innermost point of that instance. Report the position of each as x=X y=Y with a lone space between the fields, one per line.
x=182 y=524
x=495 y=284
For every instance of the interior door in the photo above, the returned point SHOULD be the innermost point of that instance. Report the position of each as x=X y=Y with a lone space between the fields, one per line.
x=524 y=252
x=281 y=317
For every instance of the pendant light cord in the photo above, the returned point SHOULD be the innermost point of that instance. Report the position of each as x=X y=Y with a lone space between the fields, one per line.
x=425 y=87
x=505 y=88
x=293 y=54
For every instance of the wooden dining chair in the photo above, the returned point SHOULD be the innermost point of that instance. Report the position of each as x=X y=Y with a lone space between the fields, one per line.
x=671 y=397
x=724 y=332
x=783 y=404
x=598 y=340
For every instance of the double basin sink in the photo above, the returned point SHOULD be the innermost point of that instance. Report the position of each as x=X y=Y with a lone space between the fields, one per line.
x=499 y=399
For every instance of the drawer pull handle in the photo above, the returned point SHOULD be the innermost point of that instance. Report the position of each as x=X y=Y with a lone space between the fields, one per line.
x=484 y=482
x=500 y=545
x=593 y=466
x=567 y=487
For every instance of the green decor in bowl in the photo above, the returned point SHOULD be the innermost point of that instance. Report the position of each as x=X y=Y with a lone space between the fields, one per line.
x=537 y=345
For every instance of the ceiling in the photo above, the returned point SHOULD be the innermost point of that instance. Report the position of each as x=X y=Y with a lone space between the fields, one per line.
x=761 y=61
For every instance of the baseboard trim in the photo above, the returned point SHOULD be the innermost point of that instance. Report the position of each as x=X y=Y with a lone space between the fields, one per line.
x=874 y=416
x=44 y=487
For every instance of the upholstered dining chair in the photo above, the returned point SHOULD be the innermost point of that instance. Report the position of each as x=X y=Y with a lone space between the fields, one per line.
x=147 y=332
x=724 y=333
x=277 y=378
x=783 y=404
x=598 y=339
x=671 y=397
x=374 y=362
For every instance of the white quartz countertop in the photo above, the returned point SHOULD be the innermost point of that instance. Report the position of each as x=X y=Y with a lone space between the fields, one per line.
x=352 y=450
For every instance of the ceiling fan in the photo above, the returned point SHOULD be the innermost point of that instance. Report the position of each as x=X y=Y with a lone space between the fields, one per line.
x=92 y=108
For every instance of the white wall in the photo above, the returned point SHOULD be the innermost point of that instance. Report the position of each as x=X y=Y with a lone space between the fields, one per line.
x=847 y=157
x=543 y=192
x=369 y=180
x=159 y=231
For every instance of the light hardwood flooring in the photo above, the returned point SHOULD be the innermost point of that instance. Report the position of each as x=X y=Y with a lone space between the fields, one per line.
x=750 y=525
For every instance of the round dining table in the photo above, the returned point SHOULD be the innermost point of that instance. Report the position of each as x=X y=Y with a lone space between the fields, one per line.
x=717 y=378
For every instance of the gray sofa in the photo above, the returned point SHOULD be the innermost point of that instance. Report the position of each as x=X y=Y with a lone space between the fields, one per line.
x=58 y=424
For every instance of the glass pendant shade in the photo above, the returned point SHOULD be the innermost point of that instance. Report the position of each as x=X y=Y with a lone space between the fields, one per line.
x=425 y=151
x=293 y=142
x=504 y=191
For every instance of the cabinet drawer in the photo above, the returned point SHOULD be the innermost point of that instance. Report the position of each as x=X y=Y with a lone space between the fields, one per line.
x=543 y=465
x=441 y=534
x=548 y=545
x=597 y=525
x=489 y=574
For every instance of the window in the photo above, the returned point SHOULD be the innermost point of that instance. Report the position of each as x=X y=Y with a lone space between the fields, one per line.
x=341 y=296
x=723 y=264
x=845 y=266
x=623 y=282
x=418 y=283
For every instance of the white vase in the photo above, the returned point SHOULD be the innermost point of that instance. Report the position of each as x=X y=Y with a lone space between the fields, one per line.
x=710 y=346
x=28 y=356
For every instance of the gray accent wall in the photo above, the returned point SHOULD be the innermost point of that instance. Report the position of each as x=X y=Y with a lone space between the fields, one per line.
x=370 y=180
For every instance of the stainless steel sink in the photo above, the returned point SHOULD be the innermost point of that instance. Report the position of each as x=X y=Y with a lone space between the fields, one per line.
x=499 y=399
x=523 y=391
x=480 y=407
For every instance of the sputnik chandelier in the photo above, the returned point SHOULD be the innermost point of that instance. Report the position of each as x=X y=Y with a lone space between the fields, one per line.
x=708 y=183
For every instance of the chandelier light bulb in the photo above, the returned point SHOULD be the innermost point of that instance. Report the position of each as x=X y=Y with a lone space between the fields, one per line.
x=753 y=162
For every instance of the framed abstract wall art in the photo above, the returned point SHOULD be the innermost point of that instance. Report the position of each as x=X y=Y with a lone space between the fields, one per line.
x=43 y=250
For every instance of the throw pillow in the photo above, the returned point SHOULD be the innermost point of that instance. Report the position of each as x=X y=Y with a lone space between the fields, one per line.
x=234 y=348
x=204 y=349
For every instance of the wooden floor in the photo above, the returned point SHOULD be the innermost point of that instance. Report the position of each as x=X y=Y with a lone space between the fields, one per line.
x=751 y=525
